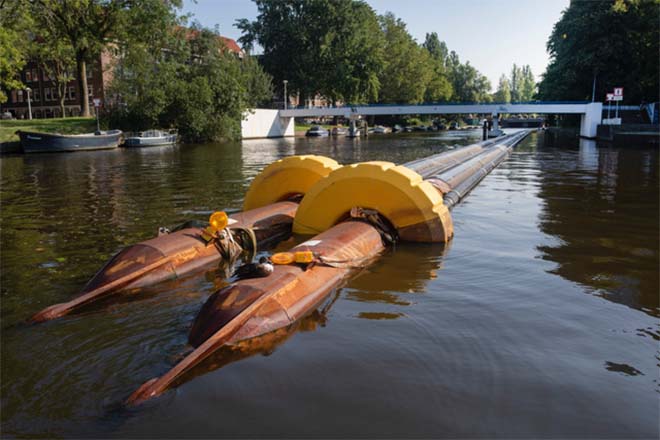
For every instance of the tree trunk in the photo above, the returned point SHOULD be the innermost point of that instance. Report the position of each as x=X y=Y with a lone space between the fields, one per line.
x=82 y=84
x=62 y=97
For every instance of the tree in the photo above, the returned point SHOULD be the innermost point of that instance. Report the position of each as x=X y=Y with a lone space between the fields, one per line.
x=89 y=25
x=437 y=49
x=439 y=88
x=15 y=22
x=468 y=83
x=615 y=42
x=527 y=84
x=56 y=59
x=503 y=93
x=331 y=47
x=189 y=81
x=408 y=69
x=516 y=83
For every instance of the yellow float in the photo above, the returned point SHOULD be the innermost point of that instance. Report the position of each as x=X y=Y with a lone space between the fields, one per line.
x=413 y=206
x=286 y=178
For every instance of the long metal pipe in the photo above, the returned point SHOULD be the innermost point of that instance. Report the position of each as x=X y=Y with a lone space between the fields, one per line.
x=437 y=163
x=254 y=307
x=458 y=181
x=172 y=256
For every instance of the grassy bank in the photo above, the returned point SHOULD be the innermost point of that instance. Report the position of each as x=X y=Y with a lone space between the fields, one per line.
x=57 y=125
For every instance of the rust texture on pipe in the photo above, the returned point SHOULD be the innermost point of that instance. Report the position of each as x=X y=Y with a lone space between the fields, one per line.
x=172 y=256
x=254 y=307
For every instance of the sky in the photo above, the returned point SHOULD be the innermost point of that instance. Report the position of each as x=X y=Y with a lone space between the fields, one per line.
x=491 y=34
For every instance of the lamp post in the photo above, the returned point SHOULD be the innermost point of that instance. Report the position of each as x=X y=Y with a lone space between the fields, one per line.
x=28 y=90
x=286 y=98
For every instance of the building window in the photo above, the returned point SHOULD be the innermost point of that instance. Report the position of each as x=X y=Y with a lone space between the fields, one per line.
x=90 y=92
x=47 y=94
x=13 y=96
x=36 y=95
x=72 y=93
x=35 y=75
x=28 y=75
x=53 y=93
x=20 y=96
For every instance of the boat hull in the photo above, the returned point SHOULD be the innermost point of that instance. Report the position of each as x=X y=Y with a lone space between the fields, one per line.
x=132 y=142
x=34 y=142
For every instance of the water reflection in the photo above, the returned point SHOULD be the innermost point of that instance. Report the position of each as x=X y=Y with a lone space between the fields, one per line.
x=396 y=278
x=601 y=203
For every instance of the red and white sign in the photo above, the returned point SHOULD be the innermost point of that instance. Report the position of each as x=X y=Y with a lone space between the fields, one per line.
x=618 y=91
x=97 y=102
x=609 y=97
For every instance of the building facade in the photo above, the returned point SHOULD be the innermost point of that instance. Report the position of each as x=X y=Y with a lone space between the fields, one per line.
x=43 y=95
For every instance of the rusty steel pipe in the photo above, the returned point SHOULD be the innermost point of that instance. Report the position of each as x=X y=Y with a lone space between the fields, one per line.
x=172 y=256
x=251 y=308
x=254 y=307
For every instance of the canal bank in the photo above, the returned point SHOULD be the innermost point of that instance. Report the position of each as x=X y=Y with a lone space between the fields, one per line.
x=543 y=308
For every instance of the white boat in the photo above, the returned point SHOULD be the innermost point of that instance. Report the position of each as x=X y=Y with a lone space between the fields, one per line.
x=382 y=130
x=150 y=138
x=317 y=130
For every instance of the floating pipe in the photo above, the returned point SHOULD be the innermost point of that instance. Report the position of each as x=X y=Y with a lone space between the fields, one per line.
x=267 y=213
x=172 y=256
x=254 y=307
x=428 y=166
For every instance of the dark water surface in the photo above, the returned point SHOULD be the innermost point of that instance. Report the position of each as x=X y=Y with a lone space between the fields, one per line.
x=540 y=319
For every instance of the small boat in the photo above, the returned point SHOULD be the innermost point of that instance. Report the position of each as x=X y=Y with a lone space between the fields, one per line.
x=150 y=138
x=397 y=128
x=419 y=128
x=36 y=142
x=317 y=130
x=339 y=131
x=382 y=130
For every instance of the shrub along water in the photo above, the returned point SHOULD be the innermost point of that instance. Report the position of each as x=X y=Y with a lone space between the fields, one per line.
x=191 y=82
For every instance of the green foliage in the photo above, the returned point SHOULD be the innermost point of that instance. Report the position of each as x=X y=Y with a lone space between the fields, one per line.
x=331 y=47
x=615 y=41
x=187 y=81
x=89 y=25
x=468 y=83
x=503 y=93
x=439 y=88
x=407 y=70
x=15 y=21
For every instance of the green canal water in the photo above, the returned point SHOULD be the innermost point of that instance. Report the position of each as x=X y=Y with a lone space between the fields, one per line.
x=540 y=318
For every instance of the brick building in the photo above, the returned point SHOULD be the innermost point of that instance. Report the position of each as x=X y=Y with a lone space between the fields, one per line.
x=43 y=92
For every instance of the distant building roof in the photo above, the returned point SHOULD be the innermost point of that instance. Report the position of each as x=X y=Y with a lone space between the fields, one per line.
x=229 y=43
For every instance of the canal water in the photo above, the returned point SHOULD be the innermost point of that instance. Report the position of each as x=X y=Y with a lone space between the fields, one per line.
x=540 y=318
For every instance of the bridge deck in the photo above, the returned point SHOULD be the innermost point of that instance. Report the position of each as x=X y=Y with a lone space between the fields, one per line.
x=436 y=109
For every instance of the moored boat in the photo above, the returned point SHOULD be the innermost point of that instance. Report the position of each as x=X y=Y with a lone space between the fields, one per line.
x=37 y=142
x=317 y=130
x=339 y=131
x=381 y=129
x=150 y=138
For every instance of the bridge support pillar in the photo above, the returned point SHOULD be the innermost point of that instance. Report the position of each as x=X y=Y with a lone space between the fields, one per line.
x=590 y=120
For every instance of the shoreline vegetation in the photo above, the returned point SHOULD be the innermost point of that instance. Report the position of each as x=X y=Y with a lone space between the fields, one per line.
x=71 y=125
x=170 y=73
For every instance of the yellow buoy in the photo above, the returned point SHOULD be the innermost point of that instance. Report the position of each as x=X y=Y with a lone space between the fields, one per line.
x=413 y=206
x=287 y=177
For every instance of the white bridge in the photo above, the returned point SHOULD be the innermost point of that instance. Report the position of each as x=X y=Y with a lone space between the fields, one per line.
x=591 y=112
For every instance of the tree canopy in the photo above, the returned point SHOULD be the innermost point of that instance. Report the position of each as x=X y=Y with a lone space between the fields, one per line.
x=331 y=47
x=614 y=41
